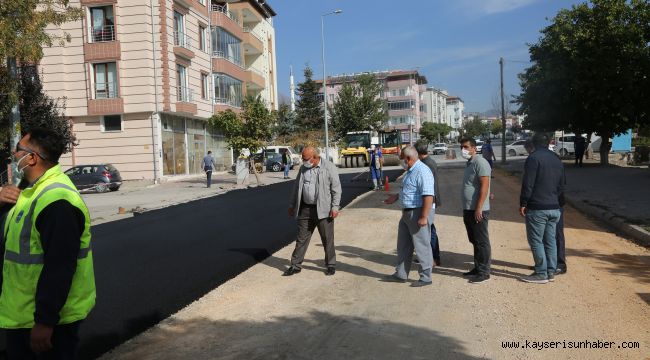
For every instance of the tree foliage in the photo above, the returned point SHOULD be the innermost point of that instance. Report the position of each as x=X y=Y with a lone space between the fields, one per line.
x=251 y=129
x=309 y=110
x=23 y=35
x=359 y=106
x=496 y=127
x=286 y=121
x=431 y=132
x=591 y=70
x=475 y=128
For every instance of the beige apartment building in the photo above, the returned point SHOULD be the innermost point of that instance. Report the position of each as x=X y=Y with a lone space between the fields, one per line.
x=141 y=77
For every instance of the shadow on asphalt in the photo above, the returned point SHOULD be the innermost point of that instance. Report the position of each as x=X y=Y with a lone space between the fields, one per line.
x=633 y=266
x=291 y=337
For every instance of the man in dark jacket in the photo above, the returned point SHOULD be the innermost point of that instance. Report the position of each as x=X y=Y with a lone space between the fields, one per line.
x=541 y=189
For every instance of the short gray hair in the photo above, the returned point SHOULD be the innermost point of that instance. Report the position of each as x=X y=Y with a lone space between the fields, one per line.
x=410 y=152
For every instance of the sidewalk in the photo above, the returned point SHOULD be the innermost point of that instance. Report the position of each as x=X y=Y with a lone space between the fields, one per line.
x=354 y=315
x=617 y=196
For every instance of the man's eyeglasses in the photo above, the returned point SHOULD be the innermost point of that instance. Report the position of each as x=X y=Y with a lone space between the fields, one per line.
x=29 y=151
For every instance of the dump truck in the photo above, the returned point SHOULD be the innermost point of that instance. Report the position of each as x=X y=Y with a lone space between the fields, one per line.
x=358 y=143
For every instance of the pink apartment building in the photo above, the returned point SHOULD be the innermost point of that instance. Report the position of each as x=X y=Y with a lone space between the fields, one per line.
x=403 y=90
x=141 y=77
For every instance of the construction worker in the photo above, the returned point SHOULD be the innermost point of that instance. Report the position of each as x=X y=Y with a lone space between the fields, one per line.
x=376 y=166
x=48 y=284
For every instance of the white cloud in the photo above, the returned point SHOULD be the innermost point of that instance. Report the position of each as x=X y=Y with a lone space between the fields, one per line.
x=489 y=7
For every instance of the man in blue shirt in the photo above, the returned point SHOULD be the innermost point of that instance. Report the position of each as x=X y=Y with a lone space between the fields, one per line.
x=376 y=163
x=414 y=231
x=208 y=162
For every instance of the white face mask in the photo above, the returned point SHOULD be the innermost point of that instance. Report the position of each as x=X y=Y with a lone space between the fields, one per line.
x=307 y=164
x=465 y=154
x=404 y=165
x=20 y=171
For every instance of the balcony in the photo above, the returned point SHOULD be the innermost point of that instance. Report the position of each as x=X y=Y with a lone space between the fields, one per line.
x=232 y=67
x=184 y=94
x=254 y=79
x=103 y=33
x=105 y=91
x=227 y=20
x=252 y=41
x=182 y=45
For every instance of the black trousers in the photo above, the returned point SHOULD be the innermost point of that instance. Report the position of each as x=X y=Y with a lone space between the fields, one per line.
x=307 y=222
x=479 y=237
x=579 y=155
x=559 y=239
x=65 y=340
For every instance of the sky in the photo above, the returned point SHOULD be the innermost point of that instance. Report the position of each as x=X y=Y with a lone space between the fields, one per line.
x=455 y=44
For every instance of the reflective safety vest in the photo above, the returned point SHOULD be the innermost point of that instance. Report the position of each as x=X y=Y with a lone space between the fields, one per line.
x=23 y=257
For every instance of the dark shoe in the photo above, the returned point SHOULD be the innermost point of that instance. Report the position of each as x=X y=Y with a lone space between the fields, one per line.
x=393 y=278
x=560 y=271
x=291 y=271
x=534 y=278
x=550 y=277
x=479 y=279
x=330 y=271
x=421 y=283
x=437 y=262
x=472 y=272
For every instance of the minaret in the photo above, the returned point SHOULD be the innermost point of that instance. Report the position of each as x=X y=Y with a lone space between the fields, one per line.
x=292 y=89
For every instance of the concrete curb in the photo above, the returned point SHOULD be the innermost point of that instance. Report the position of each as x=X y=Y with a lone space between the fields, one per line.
x=631 y=232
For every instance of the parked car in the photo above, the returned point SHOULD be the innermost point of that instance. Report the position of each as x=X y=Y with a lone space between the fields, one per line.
x=564 y=145
x=258 y=160
x=296 y=158
x=479 y=146
x=439 y=148
x=516 y=148
x=100 y=177
x=274 y=162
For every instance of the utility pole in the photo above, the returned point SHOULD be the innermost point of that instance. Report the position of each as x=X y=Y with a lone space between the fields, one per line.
x=15 y=122
x=503 y=117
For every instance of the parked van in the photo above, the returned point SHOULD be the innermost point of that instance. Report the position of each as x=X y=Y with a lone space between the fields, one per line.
x=296 y=158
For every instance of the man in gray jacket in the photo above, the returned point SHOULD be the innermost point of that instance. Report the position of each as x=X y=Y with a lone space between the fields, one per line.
x=315 y=201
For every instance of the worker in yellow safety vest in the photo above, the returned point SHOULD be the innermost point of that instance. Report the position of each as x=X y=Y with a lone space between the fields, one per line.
x=48 y=282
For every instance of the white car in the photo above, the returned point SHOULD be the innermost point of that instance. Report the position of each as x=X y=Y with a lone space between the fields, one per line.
x=439 y=148
x=479 y=146
x=516 y=148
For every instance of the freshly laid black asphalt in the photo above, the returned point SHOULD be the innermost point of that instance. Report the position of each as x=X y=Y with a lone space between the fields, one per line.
x=150 y=266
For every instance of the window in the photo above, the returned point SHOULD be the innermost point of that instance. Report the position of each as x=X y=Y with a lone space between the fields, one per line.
x=181 y=84
x=203 y=36
x=180 y=39
x=331 y=96
x=227 y=90
x=226 y=45
x=401 y=105
x=204 y=86
x=105 y=79
x=202 y=2
x=111 y=123
x=101 y=24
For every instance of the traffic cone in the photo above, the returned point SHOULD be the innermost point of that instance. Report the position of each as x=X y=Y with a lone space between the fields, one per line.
x=386 y=185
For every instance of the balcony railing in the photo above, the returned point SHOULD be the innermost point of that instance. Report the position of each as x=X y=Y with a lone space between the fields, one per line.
x=181 y=39
x=223 y=9
x=227 y=101
x=105 y=91
x=103 y=33
x=253 y=32
x=184 y=94
x=232 y=59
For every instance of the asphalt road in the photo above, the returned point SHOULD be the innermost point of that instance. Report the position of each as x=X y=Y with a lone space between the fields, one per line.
x=150 y=266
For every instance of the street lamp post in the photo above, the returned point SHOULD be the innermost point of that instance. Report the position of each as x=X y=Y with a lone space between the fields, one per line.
x=322 y=36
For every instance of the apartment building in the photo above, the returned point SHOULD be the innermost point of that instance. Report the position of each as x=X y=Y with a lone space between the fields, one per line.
x=455 y=109
x=435 y=105
x=403 y=90
x=141 y=78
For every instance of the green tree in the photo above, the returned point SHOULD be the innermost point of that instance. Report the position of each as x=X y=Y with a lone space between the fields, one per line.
x=475 y=128
x=309 y=110
x=359 y=106
x=23 y=35
x=496 y=127
x=251 y=129
x=590 y=71
x=432 y=132
x=286 y=121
